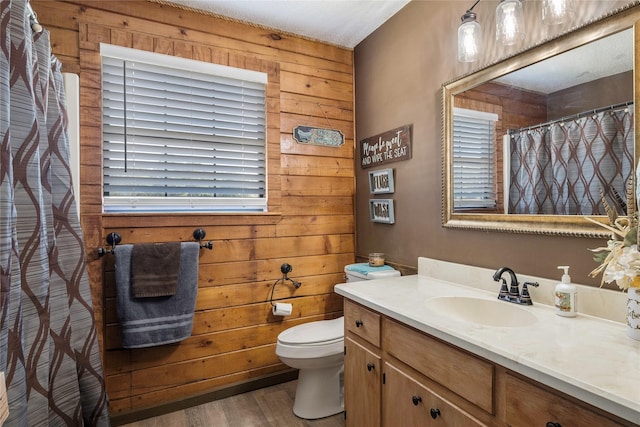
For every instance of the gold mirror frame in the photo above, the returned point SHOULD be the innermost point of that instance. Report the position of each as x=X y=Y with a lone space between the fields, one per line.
x=565 y=225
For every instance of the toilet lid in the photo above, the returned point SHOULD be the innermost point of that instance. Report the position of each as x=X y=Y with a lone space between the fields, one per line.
x=314 y=332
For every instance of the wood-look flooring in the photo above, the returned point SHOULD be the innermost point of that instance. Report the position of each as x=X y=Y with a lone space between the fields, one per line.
x=265 y=407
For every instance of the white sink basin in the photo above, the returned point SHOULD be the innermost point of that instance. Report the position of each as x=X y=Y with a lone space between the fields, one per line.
x=481 y=311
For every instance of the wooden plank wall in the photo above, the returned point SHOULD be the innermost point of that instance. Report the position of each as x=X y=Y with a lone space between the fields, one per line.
x=310 y=223
x=611 y=90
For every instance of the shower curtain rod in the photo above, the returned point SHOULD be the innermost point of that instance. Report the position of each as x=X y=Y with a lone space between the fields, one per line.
x=572 y=117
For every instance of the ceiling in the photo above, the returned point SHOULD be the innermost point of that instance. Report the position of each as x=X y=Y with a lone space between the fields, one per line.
x=343 y=23
x=346 y=23
x=602 y=58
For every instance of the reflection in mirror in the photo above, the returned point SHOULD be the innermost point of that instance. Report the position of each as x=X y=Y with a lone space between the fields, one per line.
x=562 y=134
x=545 y=134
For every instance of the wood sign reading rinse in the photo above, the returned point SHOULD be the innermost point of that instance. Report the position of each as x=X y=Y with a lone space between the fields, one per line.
x=387 y=147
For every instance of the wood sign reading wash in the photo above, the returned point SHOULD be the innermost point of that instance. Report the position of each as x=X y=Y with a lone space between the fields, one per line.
x=391 y=146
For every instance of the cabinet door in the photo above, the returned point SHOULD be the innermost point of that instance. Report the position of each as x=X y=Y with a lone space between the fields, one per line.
x=361 y=386
x=408 y=403
x=530 y=405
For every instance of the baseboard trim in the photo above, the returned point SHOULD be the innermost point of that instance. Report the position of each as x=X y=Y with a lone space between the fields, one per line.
x=210 y=396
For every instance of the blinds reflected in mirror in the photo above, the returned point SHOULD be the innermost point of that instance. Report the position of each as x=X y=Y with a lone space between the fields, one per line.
x=473 y=159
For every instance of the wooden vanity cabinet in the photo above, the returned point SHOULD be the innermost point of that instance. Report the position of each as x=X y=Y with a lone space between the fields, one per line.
x=370 y=382
x=398 y=376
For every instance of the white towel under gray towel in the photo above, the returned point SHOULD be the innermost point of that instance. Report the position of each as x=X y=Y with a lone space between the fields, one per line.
x=147 y=322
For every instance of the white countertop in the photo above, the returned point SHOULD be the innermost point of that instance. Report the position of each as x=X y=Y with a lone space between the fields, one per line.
x=586 y=357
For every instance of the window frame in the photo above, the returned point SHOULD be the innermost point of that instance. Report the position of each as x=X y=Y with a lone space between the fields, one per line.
x=133 y=204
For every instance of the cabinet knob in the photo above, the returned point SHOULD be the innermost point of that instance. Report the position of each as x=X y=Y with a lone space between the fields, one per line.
x=416 y=400
x=552 y=424
x=359 y=323
x=370 y=367
x=435 y=412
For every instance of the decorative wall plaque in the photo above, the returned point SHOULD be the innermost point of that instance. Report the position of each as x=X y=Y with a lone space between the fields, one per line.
x=387 y=147
x=318 y=136
x=381 y=181
x=381 y=210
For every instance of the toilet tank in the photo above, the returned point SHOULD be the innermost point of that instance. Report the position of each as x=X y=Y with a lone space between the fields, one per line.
x=362 y=271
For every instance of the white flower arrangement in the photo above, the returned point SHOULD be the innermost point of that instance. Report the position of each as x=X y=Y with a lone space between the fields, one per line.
x=620 y=259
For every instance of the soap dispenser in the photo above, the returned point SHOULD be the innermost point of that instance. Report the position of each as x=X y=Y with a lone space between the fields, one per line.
x=565 y=295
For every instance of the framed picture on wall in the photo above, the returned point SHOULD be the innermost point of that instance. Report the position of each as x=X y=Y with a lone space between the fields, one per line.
x=381 y=181
x=381 y=210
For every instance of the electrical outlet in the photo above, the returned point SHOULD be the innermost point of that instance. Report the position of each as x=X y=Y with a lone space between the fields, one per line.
x=4 y=403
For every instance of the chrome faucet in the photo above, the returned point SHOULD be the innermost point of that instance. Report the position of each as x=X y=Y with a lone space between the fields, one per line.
x=512 y=293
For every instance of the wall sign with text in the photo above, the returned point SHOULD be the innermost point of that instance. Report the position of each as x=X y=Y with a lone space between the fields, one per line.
x=381 y=181
x=387 y=147
x=381 y=210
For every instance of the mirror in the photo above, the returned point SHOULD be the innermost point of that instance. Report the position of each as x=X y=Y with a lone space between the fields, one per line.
x=557 y=122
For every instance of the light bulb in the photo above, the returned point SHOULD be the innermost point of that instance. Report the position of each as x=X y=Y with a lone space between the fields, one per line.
x=509 y=22
x=557 y=11
x=469 y=38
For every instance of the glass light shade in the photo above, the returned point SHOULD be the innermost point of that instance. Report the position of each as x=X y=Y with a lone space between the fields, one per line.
x=469 y=39
x=509 y=22
x=557 y=11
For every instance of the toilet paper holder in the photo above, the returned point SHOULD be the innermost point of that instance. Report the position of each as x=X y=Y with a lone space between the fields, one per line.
x=284 y=269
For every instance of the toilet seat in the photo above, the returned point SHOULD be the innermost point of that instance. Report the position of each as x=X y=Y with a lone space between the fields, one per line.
x=319 y=332
x=312 y=340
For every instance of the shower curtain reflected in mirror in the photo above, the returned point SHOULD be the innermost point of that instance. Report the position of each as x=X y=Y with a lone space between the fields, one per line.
x=48 y=340
x=564 y=168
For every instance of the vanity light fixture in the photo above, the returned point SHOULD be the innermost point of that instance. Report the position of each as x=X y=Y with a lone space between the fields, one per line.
x=509 y=24
x=557 y=11
x=469 y=36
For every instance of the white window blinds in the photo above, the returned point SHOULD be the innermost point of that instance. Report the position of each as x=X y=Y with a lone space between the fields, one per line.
x=181 y=135
x=473 y=159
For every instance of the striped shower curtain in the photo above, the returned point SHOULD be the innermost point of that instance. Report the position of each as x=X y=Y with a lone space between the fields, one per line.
x=48 y=343
x=565 y=168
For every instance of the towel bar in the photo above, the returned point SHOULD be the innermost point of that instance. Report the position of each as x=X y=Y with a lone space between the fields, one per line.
x=114 y=238
x=200 y=234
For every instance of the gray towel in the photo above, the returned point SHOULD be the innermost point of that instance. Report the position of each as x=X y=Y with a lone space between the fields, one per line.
x=147 y=322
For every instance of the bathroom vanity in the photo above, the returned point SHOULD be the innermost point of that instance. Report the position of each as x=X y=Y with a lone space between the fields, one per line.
x=413 y=359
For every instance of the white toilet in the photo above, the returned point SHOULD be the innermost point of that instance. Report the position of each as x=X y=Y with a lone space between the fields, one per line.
x=317 y=350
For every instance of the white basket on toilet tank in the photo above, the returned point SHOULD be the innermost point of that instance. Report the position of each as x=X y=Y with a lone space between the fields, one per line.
x=317 y=350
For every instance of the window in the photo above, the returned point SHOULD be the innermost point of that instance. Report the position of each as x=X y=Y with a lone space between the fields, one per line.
x=473 y=159
x=181 y=135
